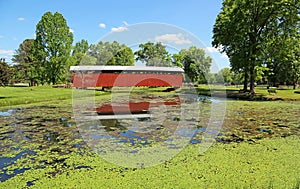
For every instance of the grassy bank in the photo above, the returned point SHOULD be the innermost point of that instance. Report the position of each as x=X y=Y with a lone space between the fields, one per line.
x=262 y=93
x=14 y=96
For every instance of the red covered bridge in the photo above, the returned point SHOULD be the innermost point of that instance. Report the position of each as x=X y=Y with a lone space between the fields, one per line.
x=126 y=76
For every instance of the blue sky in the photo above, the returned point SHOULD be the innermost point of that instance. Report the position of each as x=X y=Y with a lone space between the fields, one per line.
x=94 y=19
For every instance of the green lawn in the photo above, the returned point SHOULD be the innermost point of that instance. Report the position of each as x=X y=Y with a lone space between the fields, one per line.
x=282 y=94
x=12 y=96
x=286 y=94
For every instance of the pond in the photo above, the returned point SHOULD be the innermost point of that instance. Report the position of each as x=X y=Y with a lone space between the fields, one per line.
x=141 y=125
x=141 y=122
x=51 y=141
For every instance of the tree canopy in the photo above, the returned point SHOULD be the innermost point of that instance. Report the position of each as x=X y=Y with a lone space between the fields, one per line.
x=5 y=72
x=52 y=47
x=79 y=51
x=106 y=53
x=26 y=66
x=260 y=37
x=244 y=29
x=195 y=63
x=153 y=54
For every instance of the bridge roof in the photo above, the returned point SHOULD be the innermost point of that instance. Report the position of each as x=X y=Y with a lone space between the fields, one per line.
x=126 y=68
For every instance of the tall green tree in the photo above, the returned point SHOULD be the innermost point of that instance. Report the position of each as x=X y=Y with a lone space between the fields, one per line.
x=282 y=52
x=274 y=59
x=177 y=60
x=101 y=51
x=52 y=47
x=106 y=53
x=244 y=27
x=211 y=78
x=237 y=77
x=295 y=65
x=195 y=63
x=79 y=51
x=153 y=54
x=261 y=73
x=5 y=73
x=124 y=56
x=224 y=75
x=26 y=66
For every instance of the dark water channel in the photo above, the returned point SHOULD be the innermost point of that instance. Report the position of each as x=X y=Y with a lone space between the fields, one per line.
x=7 y=161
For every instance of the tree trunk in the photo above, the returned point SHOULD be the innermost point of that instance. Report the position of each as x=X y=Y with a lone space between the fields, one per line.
x=295 y=83
x=31 y=83
x=245 y=80
x=252 y=75
x=53 y=80
x=252 y=56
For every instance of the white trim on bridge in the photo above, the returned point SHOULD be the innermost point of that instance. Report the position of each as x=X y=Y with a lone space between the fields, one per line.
x=121 y=116
x=127 y=68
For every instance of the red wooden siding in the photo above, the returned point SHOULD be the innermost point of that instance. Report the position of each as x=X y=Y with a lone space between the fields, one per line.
x=126 y=80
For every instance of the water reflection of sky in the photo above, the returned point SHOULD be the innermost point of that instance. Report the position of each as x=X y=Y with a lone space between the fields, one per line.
x=8 y=161
x=165 y=115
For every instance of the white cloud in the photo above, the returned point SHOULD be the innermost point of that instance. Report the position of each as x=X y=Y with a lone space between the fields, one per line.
x=119 y=29
x=125 y=23
x=20 y=18
x=6 y=52
x=215 y=50
x=224 y=56
x=173 y=38
x=102 y=25
x=72 y=31
x=210 y=49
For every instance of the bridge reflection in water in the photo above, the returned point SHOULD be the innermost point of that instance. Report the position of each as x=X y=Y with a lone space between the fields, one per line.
x=141 y=125
x=142 y=116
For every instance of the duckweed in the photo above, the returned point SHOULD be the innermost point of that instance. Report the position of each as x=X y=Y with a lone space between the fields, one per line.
x=258 y=147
